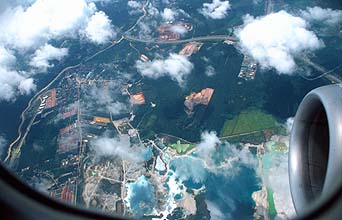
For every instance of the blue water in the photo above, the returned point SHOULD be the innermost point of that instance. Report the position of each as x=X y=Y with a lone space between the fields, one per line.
x=233 y=194
x=142 y=199
x=178 y=196
x=148 y=154
x=230 y=189
x=10 y=117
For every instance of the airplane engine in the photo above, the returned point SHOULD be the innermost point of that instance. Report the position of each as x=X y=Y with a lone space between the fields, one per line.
x=315 y=155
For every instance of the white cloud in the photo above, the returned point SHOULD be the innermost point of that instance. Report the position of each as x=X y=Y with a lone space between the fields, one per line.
x=117 y=107
x=289 y=124
x=215 y=212
x=12 y=82
x=177 y=67
x=43 y=20
x=215 y=10
x=105 y=99
x=134 y=4
x=46 y=53
x=99 y=29
x=26 y=86
x=214 y=160
x=209 y=148
x=9 y=84
x=151 y=10
x=210 y=71
x=134 y=7
x=208 y=144
x=256 y=1
x=328 y=16
x=37 y=147
x=3 y=143
x=244 y=155
x=146 y=29
x=189 y=168
x=278 y=180
x=179 y=29
x=28 y=25
x=6 y=57
x=274 y=40
x=102 y=95
x=101 y=1
x=214 y=156
x=168 y=14
x=118 y=146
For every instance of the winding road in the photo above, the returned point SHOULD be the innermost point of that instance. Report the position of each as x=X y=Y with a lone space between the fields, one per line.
x=23 y=118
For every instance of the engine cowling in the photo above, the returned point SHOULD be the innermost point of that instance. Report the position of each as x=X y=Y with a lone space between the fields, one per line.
x=315 y=156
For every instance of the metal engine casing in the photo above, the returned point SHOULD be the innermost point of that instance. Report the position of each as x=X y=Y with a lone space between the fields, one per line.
x=315 y=155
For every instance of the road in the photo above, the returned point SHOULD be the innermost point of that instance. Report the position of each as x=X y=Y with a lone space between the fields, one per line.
x=57 y=77
x=201 y=38
x=221 y=138
x=23 y=117
x=179 y=138
x=123 y=186
x=140 y=18
x=157 y=41
x=328 y=74
x=103 y=50
x=242 y=134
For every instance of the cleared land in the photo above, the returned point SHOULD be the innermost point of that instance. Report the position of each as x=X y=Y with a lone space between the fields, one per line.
x=248 y=121
x=182 y=148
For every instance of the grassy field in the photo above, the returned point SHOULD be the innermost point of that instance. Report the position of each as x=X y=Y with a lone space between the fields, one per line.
x=249 y=121
x=271 y=206
x=182 y=148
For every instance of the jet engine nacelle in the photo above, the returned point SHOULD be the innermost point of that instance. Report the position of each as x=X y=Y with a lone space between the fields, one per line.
x=315 y=156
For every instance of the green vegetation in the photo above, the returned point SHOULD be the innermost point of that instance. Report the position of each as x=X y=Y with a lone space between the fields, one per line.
x=182 y=148
x=249 y=121
x=150 y=121
x=280 y=147
x=147 y=125
x=271 y=206
x=255 y=138
x=274 y=151
x=92 y=173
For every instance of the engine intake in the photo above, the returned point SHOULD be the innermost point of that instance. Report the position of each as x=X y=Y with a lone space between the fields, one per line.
x=315 y=156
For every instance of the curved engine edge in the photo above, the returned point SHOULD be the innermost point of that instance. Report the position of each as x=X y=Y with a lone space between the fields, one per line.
x=315 y=156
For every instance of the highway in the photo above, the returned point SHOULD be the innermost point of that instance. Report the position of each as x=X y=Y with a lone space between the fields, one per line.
x=103 y=50
x=200 y=38
x=328 y=74
x=35 y=97
x=268 y=9
x=140 y=18
x=128 y=37
x=21 y=137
